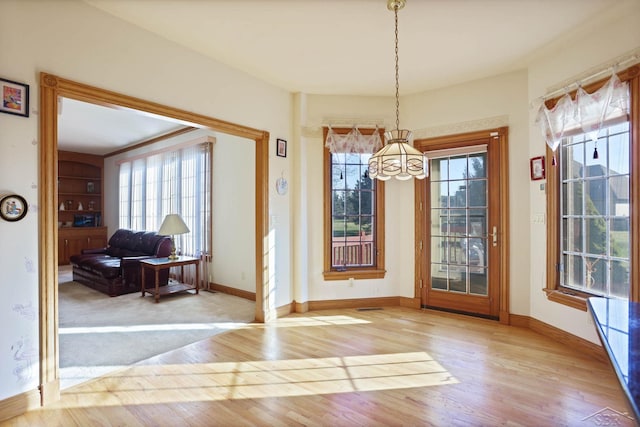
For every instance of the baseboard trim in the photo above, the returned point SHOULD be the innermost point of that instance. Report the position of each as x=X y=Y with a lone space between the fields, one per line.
x=410 y=302
x=251 y=296
x=354 y=303
x=50 y=392
x=300 y=307
x=584 y=346
x=19 y=404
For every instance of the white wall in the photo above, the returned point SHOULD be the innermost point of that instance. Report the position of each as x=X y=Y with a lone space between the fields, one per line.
x=75 y=41
x=233 y=196
x=596 y=45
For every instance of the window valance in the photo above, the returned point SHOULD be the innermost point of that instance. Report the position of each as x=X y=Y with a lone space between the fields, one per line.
x=353 y=142
x=587 y=113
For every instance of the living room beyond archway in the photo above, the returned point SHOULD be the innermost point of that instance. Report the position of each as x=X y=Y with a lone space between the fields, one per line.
x=53 y=87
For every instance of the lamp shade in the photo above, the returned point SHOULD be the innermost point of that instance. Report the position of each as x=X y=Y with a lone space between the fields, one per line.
x=172 y=225
x=398 y=158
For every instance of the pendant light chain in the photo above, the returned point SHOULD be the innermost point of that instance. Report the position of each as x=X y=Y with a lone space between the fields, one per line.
x=398 y=158
x=395 y=10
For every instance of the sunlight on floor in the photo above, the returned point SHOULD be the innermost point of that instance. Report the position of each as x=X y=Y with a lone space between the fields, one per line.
x=150 y=328
x=155 y=384
x=295 y=321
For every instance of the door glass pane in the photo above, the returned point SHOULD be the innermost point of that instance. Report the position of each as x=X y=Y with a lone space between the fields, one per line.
x=478 y=193
x=439 y=194
x=477 y=222
x=458 y=168
x=439 y=250
x=439 y=276
x=477 y=166
x=459 y=234
x=479 y=280
x=457 y=194
x=457 y=279
x=438 y=169
x=439 y=222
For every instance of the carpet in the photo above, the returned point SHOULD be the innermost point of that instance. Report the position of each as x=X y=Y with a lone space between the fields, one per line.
x=99 y=334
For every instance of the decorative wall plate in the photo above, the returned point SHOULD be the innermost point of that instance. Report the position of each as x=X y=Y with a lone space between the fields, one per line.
x=282 y=186
x=13 y=207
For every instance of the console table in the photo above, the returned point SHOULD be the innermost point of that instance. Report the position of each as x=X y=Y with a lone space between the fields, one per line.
x=157 y=264
x=618 y=325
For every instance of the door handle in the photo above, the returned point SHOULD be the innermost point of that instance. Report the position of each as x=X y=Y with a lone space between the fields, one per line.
x=494 y=236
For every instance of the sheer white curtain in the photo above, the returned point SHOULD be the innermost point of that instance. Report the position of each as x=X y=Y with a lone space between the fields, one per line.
x=353 y=142
x=170 y=182
x=586 y=114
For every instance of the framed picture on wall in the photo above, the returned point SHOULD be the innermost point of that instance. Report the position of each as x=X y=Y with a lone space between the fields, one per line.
x=281 y=147
x=15 y=98
x=536 y=166
x=13 y=207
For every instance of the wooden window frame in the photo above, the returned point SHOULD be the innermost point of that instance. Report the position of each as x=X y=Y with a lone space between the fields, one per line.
x=567 y=296
x=377 y=271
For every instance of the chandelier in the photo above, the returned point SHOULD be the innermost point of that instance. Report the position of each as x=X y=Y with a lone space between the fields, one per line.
x=398 y=157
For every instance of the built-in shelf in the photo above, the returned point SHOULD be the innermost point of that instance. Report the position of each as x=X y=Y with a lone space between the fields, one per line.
x=79 y=186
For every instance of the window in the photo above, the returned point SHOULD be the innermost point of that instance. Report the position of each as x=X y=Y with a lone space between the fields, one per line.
x=354 y=212
x=169 y=182
x=590 y=238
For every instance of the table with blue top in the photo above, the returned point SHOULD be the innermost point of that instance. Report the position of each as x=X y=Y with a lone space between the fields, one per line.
x=617 y=322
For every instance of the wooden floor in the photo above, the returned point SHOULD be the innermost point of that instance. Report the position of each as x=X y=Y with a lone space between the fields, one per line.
x=386 y=367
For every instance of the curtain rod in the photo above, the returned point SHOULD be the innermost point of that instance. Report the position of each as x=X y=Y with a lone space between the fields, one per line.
x=585 y=78
x=352 y=122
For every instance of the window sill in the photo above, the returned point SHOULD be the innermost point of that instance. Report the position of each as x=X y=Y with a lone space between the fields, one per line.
x=355 y=274
x=571 y=298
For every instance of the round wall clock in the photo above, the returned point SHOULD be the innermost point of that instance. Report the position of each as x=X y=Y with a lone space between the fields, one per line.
x=13 y=207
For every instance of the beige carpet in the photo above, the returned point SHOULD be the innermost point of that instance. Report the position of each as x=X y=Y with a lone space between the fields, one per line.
x=99 y=334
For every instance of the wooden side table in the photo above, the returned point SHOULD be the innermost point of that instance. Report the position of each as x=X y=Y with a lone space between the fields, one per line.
x=157 y=264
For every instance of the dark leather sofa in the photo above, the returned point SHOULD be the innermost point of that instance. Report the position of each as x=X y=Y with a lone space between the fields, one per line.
x=115 y=270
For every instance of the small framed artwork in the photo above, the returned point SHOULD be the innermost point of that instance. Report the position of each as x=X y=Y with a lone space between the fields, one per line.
x=281 y=147
x=13 y=207
x=91 y=187
x=536 y=166
x=15 y=98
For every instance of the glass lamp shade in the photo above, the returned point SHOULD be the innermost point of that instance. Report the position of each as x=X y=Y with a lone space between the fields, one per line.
x=398 y=158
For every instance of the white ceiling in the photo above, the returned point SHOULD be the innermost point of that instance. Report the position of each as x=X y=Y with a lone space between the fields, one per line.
x=90 y=128
x=347 y=46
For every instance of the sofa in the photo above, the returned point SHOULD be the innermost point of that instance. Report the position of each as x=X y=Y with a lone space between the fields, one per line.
x=115 y=269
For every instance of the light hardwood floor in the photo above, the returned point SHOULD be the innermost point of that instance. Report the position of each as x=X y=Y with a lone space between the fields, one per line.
x=388 y=367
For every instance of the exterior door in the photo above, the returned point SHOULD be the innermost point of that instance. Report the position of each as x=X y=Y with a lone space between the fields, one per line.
x=461 y=232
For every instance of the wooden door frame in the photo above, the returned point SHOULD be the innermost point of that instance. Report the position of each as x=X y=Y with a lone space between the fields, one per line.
x=421 y=267
x=51 y=88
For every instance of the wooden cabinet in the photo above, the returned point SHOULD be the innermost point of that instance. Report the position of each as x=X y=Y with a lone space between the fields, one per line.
x=72 y=240
x=80 y=203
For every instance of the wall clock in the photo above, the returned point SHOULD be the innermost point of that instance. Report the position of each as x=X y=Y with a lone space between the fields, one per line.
x=13 y=207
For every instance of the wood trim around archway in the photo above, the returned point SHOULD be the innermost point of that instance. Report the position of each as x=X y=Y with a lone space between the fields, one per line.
x=51 y=88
